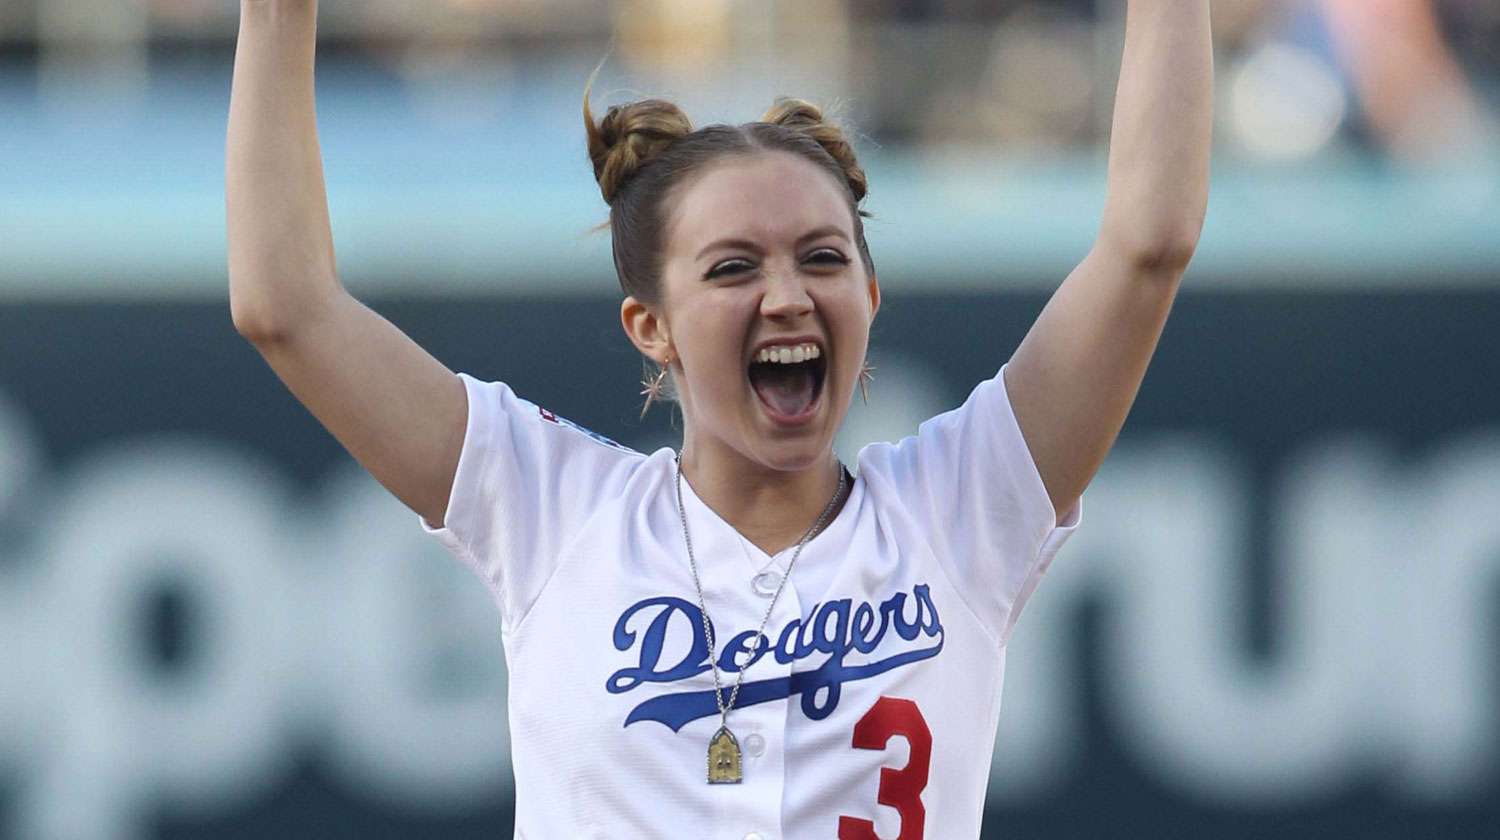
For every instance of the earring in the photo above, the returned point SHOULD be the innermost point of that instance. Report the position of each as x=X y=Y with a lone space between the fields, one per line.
x=654 y=385
x=866 y=375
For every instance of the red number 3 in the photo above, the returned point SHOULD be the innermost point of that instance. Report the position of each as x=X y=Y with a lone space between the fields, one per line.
x=900 y=789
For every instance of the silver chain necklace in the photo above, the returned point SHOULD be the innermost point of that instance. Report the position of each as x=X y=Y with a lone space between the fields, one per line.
x=723 y=747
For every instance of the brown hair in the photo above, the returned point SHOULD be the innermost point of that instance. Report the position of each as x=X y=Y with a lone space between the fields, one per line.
x=643 y=150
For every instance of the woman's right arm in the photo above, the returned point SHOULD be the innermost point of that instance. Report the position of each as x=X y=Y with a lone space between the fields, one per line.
x=398 y=411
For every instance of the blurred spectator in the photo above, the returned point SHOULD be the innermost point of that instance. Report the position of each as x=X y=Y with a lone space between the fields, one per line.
x=965 y=11
x=1415 y=80
x=966 y=71
x=1301 y=77
x=1413 y=94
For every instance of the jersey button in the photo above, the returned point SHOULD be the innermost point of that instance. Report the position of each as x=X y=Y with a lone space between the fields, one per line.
x=765 y=583
x=754 y=744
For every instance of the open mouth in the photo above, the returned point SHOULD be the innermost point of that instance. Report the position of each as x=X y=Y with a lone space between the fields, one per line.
x=790 y=391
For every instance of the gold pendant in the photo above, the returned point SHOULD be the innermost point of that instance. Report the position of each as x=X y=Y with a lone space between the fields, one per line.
x=723 y=758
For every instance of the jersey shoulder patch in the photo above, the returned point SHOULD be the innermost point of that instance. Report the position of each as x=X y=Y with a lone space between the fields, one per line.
x=550 y=417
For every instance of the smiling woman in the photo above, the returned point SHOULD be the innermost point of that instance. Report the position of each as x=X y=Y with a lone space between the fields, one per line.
x=730 y=241
x=745 y=612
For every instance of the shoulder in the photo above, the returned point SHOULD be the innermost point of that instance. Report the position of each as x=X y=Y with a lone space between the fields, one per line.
x=491 y=401
x=885 y=470
x=569 y=428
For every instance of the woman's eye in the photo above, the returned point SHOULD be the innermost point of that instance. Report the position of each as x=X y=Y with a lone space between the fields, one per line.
x=729 y=267
x=827 y=256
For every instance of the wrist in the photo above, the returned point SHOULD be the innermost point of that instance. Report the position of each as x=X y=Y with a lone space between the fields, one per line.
x=278 y=10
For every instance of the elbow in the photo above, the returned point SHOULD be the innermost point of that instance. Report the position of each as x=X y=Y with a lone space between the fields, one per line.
x=1155 y=254
x=1170 y=258
x=1153 y=238
x=254 y=323
x=264 y=317
x=263 y=324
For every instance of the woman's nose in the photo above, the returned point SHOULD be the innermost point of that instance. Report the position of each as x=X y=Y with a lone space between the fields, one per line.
x=786 y=295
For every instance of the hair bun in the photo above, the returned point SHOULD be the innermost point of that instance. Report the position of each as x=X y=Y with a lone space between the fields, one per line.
x=801 y=115
x=627 y=137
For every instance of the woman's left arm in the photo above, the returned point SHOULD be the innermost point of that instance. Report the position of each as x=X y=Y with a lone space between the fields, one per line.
x=1073 y=378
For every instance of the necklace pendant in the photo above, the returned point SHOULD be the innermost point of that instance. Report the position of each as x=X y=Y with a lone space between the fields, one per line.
x=723 y=758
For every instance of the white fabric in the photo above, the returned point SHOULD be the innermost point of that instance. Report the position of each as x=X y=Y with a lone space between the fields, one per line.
x=909 y=594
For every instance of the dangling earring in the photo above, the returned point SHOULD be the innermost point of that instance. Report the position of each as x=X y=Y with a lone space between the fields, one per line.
x=866 y=375
x=655 y=385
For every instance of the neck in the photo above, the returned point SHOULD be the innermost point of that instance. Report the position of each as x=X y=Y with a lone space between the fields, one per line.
x=770 y=507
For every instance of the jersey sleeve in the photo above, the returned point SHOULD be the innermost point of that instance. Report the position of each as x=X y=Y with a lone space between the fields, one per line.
x=526 y=479
x=969 y=481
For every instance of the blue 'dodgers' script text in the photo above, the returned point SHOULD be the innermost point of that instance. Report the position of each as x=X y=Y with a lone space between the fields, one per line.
x=835 y=629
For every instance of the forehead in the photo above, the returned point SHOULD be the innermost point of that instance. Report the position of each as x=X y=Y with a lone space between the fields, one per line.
x=764 y=196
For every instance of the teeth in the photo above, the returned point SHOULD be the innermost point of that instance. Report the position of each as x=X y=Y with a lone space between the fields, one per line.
x=787 y=354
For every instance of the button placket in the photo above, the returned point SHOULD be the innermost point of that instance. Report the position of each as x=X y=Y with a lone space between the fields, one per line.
x=762 y=724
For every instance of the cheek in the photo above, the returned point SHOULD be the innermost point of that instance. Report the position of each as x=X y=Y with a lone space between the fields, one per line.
x=848 y=315
x=714 y=338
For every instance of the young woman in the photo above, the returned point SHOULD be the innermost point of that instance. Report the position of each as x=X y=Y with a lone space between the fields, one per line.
x=730 y=642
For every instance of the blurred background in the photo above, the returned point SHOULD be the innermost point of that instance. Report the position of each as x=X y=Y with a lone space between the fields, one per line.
x=1280 y=618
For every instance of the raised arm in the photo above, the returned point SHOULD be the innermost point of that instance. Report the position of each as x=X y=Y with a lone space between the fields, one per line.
x=1074 y=377
x=396 y=409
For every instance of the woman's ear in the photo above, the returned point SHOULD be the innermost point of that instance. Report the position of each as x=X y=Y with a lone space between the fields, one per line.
x=645 y=330
x=874 y=297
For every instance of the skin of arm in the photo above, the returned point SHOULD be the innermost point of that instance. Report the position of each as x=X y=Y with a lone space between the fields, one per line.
x=1075 y=375
x=395 y=408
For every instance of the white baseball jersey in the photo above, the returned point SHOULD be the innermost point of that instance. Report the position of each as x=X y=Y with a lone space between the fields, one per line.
x=869 y=708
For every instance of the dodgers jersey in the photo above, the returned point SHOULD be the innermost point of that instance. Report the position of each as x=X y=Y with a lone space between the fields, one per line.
x=869 y=707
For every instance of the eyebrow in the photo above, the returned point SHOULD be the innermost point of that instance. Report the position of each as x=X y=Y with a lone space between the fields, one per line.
x=747 y=245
